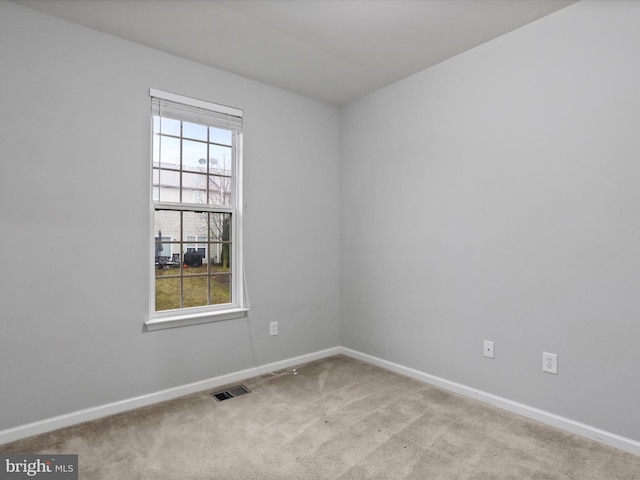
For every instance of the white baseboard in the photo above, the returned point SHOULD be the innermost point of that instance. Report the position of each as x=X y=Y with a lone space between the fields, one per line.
x=94 y=413
x=587 y=431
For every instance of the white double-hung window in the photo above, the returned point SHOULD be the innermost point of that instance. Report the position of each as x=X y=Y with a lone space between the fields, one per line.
x=196 y=232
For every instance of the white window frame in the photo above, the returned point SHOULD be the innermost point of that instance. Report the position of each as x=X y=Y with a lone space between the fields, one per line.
x=211 y=313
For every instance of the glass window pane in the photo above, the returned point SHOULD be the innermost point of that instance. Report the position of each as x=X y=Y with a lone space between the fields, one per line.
x=220 y=289
x=162 y=251
x=219 y=190
x=167 y=258
x=219 y=135
x=194 y=156
x=193 y=263
x=193 y=130
x=156 y=151
x=167 y=293
x=155 y=182
x=169 y=194
x=168 y=270
x=170 y=126
x=169 y=181
x=219 y=257
x=169 y=152
x=195 y=291
x=226 y=257
x=194 y=188
x=220 y=159
x=215 y=256
x=220 y=227
x=167 y=229
x=194 y=226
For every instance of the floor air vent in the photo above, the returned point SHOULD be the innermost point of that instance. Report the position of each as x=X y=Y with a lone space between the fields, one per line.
x=230 y=393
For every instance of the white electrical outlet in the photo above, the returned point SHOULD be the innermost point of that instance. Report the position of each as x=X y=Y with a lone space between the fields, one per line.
x=550 y=363
x=273 y=328
x=488 y=349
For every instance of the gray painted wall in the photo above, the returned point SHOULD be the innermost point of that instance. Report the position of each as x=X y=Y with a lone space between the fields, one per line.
x=495 y=196
x=74 y=222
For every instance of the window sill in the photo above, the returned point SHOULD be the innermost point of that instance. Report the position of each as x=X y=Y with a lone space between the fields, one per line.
x=194 y=319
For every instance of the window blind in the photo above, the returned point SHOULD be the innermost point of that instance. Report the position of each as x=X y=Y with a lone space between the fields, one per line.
x=178 y=107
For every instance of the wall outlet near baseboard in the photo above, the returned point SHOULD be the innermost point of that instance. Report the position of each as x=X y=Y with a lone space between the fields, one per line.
x=273 y=328
x=488 y=349
x=550 y=363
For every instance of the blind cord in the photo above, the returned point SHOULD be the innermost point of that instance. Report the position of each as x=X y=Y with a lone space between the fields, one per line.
x=292 y=371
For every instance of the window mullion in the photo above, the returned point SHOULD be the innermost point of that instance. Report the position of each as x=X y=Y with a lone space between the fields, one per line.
x=208 y=166
x=208 y=252
x=180 y=183
x=182 y=244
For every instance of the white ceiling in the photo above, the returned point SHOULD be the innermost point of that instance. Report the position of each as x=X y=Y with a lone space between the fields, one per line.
x=330 y=50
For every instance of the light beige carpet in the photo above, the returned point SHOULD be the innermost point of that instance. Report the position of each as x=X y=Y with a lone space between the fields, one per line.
x=338 y=418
